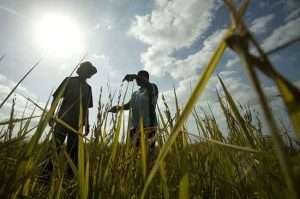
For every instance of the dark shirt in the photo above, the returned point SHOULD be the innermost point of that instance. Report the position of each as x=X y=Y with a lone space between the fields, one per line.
x=70 y=108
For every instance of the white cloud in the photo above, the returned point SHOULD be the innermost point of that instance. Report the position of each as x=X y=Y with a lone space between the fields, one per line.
x=193 y=63
x=259 y=25
x=283 y=34
x=173 y=25
x=159 y=61
x=6 y=86
x=2 y=78
x=232 y=62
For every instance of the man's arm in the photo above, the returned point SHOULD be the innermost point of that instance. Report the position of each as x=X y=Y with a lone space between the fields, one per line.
x=144 y=82
x=57 y=93
x=116 y=109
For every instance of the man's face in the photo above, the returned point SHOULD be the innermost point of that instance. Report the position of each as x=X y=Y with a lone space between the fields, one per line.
x=86 y=76
x=138 y=82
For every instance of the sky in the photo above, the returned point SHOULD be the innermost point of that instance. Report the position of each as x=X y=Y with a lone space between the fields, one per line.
x=172 y=39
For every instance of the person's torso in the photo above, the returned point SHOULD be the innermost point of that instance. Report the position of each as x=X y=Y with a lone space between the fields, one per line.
x=76 y=92
x=140 y=104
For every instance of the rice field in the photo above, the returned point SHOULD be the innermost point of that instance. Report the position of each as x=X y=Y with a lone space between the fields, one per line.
x=202 y=164
x=241 y=162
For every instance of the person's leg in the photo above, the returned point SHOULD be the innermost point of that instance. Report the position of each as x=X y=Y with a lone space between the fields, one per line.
x=151 y=145
x=59 y=136
x=134 y=138
x=72 y=147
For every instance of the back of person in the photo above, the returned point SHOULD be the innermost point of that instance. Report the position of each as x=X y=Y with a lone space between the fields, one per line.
x=70 y=107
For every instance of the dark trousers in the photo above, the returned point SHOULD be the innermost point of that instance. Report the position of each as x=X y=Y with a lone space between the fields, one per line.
x=60 y=134
x=135 y=140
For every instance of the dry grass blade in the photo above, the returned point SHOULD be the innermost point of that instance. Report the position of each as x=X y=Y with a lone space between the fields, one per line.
x=32 y=101
x=235 y=20
x=231 y=146
x=237 y=114
x=143 y=148
x=292 y=100
x=289 y=93
x=8 y=121
x=241 y=49
x=217 y=162
x=278 y=144
x=20 y=81
x=285 y=45
x=115 y=143
x=82 y=165
x=162 y=170
x=184 y=187
x=71 y=164
x=56 y=119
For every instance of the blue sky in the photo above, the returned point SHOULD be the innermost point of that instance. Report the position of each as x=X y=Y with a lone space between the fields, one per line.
x=173 y=40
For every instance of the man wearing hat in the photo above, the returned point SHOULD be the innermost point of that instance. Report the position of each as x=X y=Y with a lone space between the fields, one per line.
x=142 y=105
x=73 y=91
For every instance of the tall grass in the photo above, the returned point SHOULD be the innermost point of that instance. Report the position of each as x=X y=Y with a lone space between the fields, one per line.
x=212 y=165
x=208 y=162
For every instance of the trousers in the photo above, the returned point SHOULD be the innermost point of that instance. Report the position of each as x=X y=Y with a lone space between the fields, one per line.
x=60 y=134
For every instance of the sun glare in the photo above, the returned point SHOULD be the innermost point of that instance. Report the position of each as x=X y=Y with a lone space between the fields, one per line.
x=58 y=35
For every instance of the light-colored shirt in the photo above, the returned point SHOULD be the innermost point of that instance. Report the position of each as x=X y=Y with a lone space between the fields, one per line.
x=140 y=107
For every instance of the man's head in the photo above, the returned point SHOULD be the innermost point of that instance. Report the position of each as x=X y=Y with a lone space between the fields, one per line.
x=142 y=74
x=86 y=70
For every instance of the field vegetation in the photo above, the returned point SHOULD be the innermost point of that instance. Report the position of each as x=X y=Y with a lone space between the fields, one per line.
x=242 y=161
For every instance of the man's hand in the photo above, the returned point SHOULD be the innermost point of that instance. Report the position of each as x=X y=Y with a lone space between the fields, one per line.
x=114 y=109
x=129 y=77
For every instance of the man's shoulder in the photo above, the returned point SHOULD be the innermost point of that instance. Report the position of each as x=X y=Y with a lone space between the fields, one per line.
x=154 y=85
x=155 y=88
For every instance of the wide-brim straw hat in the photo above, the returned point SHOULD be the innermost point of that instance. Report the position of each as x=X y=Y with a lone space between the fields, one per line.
x=86 y=68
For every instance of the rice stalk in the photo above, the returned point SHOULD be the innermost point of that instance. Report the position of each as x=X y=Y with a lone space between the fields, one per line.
x=184 y=187
x=19 y=82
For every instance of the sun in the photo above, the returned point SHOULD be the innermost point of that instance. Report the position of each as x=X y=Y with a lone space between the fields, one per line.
x=58 y=35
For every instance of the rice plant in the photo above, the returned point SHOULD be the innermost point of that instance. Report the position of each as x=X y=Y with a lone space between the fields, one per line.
x=241 y=162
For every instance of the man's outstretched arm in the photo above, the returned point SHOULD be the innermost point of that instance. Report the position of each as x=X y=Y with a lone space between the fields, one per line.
x=143 y=81
x=116 y=109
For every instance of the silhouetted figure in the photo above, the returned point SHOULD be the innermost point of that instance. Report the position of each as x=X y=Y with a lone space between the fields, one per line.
x=142 y=105
x=76 y=91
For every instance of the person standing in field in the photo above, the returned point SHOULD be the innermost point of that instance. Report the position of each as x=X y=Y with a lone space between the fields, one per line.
x=74 y=91
x=142 y=105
